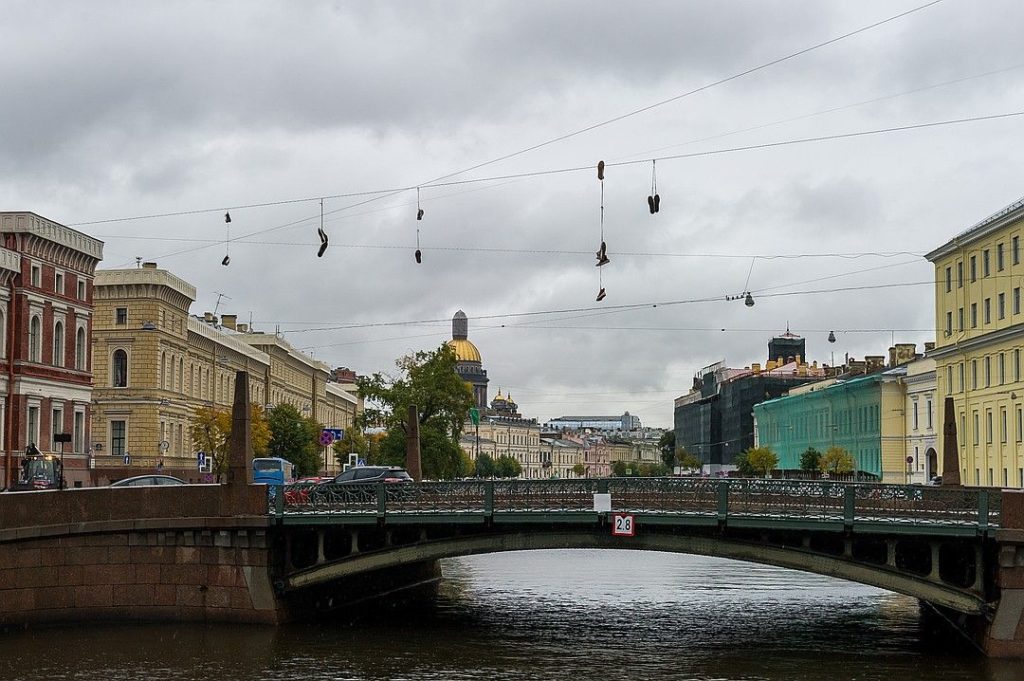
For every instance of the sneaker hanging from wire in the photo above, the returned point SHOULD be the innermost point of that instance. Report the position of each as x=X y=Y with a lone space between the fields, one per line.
x=600 y=295
x=602 y=255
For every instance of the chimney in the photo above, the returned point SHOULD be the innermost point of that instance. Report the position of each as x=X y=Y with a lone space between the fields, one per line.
x=874 y=363
x=929 y=346
x=242 y=328
x=149 y=265
x=229 y=321
x=893 y=359
x=208 y=317
x=905 y=352
x=755 y=367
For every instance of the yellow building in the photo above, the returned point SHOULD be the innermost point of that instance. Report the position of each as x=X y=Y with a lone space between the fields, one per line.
x=155 y=364
x=980 y=336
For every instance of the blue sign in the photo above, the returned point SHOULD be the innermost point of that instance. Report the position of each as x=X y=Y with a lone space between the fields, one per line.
x=362 y=462
x=338 y=433
x=201 y=460
x=127 y=459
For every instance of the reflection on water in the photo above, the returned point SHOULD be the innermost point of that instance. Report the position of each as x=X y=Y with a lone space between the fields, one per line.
x=557 y=615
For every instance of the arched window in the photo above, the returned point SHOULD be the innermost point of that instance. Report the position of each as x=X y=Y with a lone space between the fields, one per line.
x=181 y=375
x=171 y=381
x=58 y=344
x=80 y=349
x=119 y=369
x=35 y=339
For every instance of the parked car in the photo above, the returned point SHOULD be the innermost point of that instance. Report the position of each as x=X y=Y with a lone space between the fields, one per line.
x=372 y=474
x=148 y=481
x=298 y=493
x=937 y=480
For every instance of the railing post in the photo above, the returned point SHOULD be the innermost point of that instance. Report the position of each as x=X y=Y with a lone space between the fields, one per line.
x=982 y=511
x=602 y=486
x=279 y=500
x=489 y=498
x=723 y=501
x=382 y=499
x=849 y=506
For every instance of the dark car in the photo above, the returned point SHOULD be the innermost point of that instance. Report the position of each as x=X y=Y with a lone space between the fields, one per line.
x=148 y=481
x=370 y=474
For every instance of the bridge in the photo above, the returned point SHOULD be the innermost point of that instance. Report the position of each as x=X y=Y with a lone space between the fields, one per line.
x=236 y=553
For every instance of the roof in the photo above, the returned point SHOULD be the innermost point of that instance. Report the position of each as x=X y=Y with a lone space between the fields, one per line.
x=980 y=230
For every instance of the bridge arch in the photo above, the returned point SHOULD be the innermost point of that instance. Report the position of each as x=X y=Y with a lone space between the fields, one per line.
x=925 y=587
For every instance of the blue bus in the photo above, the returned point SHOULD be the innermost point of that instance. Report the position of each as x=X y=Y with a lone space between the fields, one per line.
x=272 y=471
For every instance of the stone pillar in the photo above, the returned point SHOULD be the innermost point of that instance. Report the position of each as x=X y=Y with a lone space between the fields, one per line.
x=950 y=453
x=412 y=444
x=1004 y=636
x=240 y=446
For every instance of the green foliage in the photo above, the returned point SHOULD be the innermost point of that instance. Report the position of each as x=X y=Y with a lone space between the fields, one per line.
x=810 y=460
x=507 y=467
x=653 y=470
x=667 y=445
x=295 y=438
x=579 y=470
x=762 y=460
x=428 y=380
x=211 y=431
x=354 y=442
x=743 y=465
x=485 y=466
x=836 y=461
x=620 y=469
x=686 y=460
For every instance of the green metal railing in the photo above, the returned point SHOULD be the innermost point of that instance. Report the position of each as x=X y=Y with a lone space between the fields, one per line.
x=708 y=499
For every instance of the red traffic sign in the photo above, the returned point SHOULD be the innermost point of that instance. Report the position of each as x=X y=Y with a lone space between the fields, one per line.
x=623 y=525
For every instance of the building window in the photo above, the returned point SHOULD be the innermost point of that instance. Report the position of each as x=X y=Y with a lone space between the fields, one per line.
x=960 y=319
x=977 y=427
x=984 y=263
x=117 y=438
x=1002 y=368
x=915 y=415
x=58 y=283
x=974 y=315
x=1020 y=424
x=928 y=406
x=999 y=257
x=35 y=339
x=32 y=434
x=988 y=371
x=1016 y=365
x=121 y=316
x=949 y=323
x=80 y=349
x=949 y=279
x=119 y=369
x=988 y=310
x=1016 y=300
x=79 y=433
x=974 y=374
x=974 y=269
x=988 y=426
x=56 y=424
x=81 y=289
x=1015 y=247
x=949 y=379
x=962 y=385
x=1002 y=426
x=58 y=344
x=1001 y=306
x=37 y=276
x=960 y=274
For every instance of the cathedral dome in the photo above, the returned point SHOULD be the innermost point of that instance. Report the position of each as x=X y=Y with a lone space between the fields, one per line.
x=464 y=349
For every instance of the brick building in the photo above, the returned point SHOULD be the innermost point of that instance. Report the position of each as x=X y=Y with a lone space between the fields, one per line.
x=46 y=274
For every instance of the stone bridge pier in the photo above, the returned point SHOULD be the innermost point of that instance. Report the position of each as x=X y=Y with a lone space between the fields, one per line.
x=1003 y=633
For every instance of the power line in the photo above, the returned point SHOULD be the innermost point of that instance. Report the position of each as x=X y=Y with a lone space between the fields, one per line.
x=527 y=149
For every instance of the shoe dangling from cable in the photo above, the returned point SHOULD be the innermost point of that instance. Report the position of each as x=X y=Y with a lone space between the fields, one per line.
x=657 y=203
x=650 y=204
x=323 y=244
x=419 y=214
x=226 y=261
x=602 y=256
x=600 y=295
x=600 y=170
x=419 y=257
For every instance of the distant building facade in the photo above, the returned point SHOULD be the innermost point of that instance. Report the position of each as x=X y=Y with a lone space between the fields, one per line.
x=627 y=422
x=46 y=319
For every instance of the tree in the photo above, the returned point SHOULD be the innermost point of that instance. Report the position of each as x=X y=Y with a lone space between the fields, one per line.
x=620 y=469
x=484 y=466
x=579 y=470
x=686 y=460
x=836 y=461
x=810 y=460
x=507 y=467
x=743 y=465
x=667 y=445
x=653 y=470
x=211 y=432
x=427 y=380
x=295 y=438
x=354 y=442
x=762 y=460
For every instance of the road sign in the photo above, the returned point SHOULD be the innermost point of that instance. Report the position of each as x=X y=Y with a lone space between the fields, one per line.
x=127 y=459
x=474 y=416
x=623 y=525
x=326 y=438
x=200 y=460
x=910 y=459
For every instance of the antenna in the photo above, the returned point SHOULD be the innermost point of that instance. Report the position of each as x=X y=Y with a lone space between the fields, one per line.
x=217 y=304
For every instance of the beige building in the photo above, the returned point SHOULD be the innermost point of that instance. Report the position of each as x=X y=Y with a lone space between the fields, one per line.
x=979 y=345
x=155 y=365
x=922 y=421
x=500 y=436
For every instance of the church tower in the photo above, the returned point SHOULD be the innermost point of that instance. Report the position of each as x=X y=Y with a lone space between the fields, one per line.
x=467 y=360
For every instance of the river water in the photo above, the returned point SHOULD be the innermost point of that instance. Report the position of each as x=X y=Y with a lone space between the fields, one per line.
x=558 y=615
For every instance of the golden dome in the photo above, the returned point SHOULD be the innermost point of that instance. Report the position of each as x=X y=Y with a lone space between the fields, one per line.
x=465 y=351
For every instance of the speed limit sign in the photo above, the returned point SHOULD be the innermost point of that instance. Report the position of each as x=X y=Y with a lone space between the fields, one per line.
x=623 y=525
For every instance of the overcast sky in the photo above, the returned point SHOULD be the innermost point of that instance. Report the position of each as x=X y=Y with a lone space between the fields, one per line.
x=120 y=109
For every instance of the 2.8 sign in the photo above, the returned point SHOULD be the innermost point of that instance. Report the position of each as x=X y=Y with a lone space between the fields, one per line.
x=623 y=525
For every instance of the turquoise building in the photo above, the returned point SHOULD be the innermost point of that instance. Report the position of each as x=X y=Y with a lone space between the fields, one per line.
x=863 y=415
